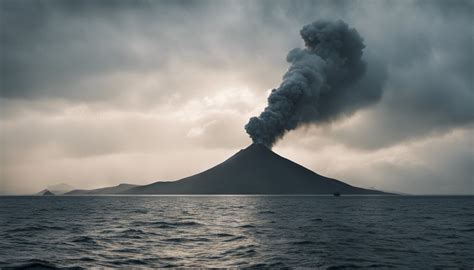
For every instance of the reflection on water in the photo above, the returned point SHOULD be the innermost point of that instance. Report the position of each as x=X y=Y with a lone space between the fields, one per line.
x=224 y=231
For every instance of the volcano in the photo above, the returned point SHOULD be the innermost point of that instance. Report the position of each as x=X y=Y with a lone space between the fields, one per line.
x=253 y=170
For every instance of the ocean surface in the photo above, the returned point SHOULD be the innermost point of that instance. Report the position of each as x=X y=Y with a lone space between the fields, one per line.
x=415 y=232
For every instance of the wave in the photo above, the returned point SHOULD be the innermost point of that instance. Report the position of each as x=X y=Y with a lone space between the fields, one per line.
x=38 y=264
x=344 y=266
x=235 y=238
x=165 y=225
x=223 y=235
x=247 y=226
x=34 y=228
x=128 y=262
x=303 y=242
x=84 y=240
x=183 y=240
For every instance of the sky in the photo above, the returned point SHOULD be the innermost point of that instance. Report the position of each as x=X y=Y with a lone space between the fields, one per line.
x=98 y=93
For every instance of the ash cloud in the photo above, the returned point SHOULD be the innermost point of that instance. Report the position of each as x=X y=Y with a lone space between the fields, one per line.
x=322 y=84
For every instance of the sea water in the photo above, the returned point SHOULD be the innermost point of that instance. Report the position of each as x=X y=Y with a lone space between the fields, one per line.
x=415 y=232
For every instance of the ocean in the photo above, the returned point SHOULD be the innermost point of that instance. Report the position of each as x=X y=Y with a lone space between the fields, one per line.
x=327 y=232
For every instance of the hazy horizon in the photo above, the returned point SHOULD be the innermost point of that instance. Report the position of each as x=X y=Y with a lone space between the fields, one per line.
x=94 y=94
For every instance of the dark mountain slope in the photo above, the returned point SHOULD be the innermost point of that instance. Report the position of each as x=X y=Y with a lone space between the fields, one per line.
x=107 y=190
x=253 y=170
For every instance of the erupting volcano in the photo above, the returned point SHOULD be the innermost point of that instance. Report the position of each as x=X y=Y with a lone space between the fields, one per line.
x=326 y=81
x=253 y=170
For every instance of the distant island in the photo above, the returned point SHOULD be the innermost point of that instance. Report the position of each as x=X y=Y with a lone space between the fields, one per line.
x=45 y=192
x=253 y=170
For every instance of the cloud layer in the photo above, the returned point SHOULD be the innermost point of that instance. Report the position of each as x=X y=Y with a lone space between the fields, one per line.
x=98 y=93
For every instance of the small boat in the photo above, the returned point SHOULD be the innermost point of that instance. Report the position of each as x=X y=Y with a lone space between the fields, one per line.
x=336 y=194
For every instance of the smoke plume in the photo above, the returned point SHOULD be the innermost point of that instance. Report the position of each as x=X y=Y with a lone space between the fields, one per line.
x=321 y=85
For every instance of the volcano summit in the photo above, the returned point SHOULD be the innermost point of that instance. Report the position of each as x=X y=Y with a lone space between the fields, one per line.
x=253 y=170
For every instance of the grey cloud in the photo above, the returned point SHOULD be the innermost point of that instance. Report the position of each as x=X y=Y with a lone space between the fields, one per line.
x=75 y=50
x=50 y=47
x=61 y=49
x=438 y=164
x=112 y=55
x=445 y=168
x=430 y=81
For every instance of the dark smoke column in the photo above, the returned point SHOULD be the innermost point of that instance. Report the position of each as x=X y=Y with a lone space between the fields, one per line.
x=320 y=85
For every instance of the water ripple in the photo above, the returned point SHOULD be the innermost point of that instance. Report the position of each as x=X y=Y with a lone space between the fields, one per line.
x=237 y=231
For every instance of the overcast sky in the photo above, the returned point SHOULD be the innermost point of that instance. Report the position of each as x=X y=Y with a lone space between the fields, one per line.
x=97 y=93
